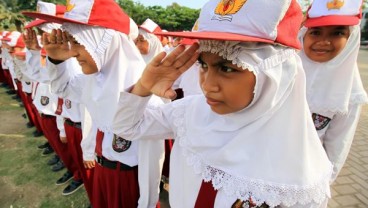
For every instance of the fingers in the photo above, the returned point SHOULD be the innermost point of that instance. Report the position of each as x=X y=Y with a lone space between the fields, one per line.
x=171 y=58
x=156 y=61
x=45 y=39
x=189 y=57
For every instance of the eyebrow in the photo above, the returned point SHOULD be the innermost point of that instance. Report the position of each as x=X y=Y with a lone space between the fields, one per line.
x=220 y=62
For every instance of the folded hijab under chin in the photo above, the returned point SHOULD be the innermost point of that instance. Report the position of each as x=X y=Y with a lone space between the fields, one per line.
x=268 y=151
x=119 y=63
x=334 y=85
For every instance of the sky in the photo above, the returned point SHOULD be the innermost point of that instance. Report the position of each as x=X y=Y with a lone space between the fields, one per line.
x=194 y=4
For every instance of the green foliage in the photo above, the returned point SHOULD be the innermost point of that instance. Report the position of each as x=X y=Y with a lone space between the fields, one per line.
x=172 y=18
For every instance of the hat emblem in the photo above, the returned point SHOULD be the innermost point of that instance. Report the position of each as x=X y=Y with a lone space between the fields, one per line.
x=335 y=4
x=69 y=6
x=227 y=8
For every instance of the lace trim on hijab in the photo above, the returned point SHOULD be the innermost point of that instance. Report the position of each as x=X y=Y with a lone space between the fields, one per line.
x=273 y=194
x=95 y=52
x=231 y=50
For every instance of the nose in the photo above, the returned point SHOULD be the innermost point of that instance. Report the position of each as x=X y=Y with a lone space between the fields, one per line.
x=209 y=81
x=324 y=42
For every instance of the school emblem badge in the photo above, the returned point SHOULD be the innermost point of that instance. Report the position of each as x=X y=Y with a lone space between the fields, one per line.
x=68 y=104
x=69 y=6
x=227 y=8
x=335 y=4
x=45 y=100
x=320 y=122
x=120 y=145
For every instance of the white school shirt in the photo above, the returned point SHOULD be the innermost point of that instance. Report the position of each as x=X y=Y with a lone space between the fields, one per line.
x=72 y=86
x=184 y=183
x=336 y=132
x=45 y=101
x=26 y=81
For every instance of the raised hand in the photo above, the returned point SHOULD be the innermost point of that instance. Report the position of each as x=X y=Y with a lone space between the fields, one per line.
x=30 y=39
x=161 y=73
x=56 y=45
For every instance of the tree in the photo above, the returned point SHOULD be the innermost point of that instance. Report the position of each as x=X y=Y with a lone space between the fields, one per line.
x=10 y=12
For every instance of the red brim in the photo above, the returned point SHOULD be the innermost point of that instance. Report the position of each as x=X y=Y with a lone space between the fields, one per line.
x=52 y=18
x=331 y=21
x=215 y=36
x=35 y=23
x=20 y=53
x=5 y=39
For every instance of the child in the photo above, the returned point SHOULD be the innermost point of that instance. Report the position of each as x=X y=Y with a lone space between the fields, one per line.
x=335 y=94
x=248 y=140
x=148 y=43
x=110 y=62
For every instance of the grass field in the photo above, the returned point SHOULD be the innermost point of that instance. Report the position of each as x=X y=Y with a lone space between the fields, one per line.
x=25 y=178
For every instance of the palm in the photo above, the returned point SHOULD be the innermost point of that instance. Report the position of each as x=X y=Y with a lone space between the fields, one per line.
x=56 y=45
x=161 y=73
x=31 y=41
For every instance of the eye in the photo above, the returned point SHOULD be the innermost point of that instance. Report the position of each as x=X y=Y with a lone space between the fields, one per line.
x=340 y=33
x=227 y=69
x=204 y=66
x=314 y=32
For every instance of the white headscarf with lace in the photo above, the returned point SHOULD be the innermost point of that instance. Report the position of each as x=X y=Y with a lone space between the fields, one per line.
x=119 y=65
x=154 y=45
x=334 y=85
x=268 y=151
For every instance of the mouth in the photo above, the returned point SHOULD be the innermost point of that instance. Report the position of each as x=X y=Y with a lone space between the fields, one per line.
x=321 y=51
x=212 y=102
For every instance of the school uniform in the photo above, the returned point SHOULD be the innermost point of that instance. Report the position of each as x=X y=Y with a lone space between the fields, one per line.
x=335 y=92
x=266 y=154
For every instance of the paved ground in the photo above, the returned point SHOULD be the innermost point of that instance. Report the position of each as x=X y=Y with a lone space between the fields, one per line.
x=351 y=186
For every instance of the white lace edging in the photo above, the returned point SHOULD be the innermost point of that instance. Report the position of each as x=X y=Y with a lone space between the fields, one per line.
x=96 y=51
x=273 y=194
x=231 y=51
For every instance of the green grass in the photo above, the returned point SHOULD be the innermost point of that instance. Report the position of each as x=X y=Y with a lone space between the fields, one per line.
x=25 y=178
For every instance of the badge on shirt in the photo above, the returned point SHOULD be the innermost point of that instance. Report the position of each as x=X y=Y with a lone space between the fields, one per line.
x=320 y=122
x=120 y=145
x=68 y=104
x=45 y=100
x=28 y=83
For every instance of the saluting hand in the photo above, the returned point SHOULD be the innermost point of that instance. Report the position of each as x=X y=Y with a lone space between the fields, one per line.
x=56 y=45
x=30 y=39
x=161 y=73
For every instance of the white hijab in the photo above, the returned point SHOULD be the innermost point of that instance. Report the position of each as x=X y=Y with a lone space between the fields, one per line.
x=268 y=151
x=119 y=65
x=334 y=85
x=154 y=45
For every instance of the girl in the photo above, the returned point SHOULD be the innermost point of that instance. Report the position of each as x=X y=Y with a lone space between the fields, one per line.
x=248 y=140
x=335 y=93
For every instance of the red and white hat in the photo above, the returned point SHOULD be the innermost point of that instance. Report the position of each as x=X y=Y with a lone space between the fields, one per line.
x=334 y=12
x=15 y=39
x=249 y=20
x=46 y=8
x=150 y=26
x=104 y=13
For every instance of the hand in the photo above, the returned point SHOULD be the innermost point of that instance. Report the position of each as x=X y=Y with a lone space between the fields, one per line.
x=63 y=140
x=89 y=164
x=161 y=73
x=30 y=39
x=56 y=45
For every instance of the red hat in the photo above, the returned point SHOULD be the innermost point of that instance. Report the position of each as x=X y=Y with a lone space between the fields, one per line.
x=334 y=12
x=46 y=8
x=104 y=13
x=245 y=20
x=15 y=39
x=5 y=36
x=20 y=42
x=150 y=26
x=20 y=53
x=188 y=41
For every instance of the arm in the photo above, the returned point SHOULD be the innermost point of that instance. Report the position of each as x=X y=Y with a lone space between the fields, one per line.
x=88 y=142
x=339 y=137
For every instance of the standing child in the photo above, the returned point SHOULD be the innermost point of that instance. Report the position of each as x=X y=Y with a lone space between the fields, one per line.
x=249 y=139
x=335 y=94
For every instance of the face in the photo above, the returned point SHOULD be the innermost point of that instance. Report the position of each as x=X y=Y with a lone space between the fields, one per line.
x=13 y=50
x=322 y=44
x=84 y=58
x=142 y=45
x=228 y=88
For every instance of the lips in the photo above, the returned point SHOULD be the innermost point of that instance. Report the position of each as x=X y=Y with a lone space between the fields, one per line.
x=212 y=102
x=321 y=51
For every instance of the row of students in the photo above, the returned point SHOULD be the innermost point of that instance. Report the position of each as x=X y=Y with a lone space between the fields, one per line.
x=249 y=139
